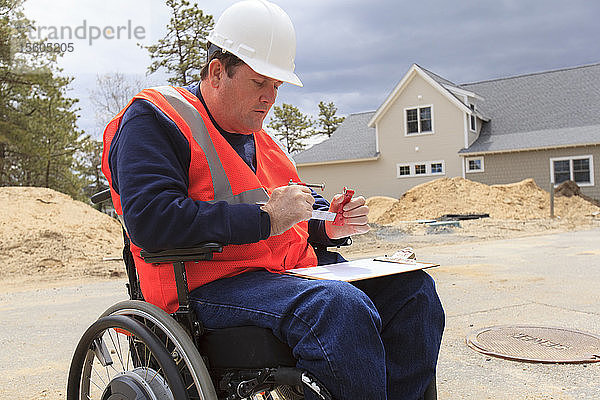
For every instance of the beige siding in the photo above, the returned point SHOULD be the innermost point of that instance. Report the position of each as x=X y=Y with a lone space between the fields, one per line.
x=512 y=167
x=364 y=177
x=367 y=178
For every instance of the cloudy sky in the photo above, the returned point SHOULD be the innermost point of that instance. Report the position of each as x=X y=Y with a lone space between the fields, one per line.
x=352 y=52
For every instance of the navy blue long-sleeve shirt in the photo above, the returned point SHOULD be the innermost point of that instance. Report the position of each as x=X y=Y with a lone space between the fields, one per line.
x=149 y=161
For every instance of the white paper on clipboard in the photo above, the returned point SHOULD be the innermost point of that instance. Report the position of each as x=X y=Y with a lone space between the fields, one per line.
x=356 y=270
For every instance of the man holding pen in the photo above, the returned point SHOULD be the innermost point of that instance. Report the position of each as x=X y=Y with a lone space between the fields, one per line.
x=190 y=165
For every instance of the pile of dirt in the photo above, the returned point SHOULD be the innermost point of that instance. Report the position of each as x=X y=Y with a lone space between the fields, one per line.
x=570 y=189
x=518 y=201
x=378 y=206
x=48 y=234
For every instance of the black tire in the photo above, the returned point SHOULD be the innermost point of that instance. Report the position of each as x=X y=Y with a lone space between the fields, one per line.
x=94 y=375
x=192 y=368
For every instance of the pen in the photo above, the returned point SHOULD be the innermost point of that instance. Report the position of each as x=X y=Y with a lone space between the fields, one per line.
x=310 y=185
x=291 y=182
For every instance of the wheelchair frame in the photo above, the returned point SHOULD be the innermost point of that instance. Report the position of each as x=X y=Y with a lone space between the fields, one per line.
x=212 y=368
x=195 y=363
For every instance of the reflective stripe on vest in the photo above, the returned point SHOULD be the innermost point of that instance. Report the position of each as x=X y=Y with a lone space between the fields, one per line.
x=221 y=185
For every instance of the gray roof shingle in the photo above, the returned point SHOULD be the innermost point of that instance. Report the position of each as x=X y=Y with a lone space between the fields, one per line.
x=546 y=109
x=442 y=81
x=546 y=138
x=352 y=140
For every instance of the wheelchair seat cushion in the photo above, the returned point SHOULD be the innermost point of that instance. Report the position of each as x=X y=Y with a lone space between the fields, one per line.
x=245 y=347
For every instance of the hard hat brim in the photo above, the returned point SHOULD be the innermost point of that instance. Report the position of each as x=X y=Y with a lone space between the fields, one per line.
x=274 y=73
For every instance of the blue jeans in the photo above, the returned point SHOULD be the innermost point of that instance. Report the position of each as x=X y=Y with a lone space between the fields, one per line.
x=375 y=339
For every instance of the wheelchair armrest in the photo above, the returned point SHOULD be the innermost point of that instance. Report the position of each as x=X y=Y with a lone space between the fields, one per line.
x=177 y=257
x=201 y=252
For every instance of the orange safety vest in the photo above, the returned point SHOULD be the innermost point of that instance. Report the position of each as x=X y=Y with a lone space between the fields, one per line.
x=217 y=173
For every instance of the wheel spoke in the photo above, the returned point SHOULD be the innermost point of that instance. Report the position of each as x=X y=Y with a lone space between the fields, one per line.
x=147 y=363
x=95 y=384
x=120 y=350
x=99 y=376
x=137 y=352
x=116 y=370
x=107 y=373
x=117 y=349
x=129 y=355
x=156 y=373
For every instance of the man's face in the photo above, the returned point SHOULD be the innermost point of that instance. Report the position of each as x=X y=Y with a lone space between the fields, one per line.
x=246 y=98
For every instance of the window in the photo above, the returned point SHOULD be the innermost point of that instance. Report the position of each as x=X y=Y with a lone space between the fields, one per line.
x=579 y=169
x=474 y=164
x=404 y=170
x=412 y=122
x=473 y=118
x=420 y=168
x=562 y=171
x=419 y=120
x=425 y=119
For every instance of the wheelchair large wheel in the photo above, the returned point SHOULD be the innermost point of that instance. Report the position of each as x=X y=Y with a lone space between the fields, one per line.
x=176 y=340
x=118 y=358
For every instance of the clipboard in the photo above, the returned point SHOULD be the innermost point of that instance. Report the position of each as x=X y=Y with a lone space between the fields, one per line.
x=357 y=270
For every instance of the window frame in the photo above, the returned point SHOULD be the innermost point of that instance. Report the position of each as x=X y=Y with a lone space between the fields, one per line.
x=431 y=164
x=428 y=168
x=474 y=171
x=399 y=166
x=589 y=157
x=418 y=133
x=472 y=118
x=420 y=169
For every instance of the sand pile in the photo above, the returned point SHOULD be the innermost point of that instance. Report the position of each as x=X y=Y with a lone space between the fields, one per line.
x=518 y=201
x=47 y=233
x=378 y=206
x=570 y=188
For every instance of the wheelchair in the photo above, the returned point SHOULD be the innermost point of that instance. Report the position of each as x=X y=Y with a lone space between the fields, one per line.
x=136 y=351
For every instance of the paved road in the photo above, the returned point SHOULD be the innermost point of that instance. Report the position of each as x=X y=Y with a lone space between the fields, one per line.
x=39 y=332
x=549 y=280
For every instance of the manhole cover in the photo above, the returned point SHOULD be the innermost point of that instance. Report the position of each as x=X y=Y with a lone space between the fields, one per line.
x=536 y=344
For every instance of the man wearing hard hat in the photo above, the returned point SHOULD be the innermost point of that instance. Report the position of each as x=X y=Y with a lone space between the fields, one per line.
x=192 y=165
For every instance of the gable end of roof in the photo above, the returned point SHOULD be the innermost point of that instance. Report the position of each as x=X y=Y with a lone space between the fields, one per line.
x=433 y=81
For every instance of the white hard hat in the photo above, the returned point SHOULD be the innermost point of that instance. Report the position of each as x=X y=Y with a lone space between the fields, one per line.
x=262 y=35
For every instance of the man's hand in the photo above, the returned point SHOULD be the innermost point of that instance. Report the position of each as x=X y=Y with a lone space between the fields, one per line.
x=287 y=206
x=355 y=217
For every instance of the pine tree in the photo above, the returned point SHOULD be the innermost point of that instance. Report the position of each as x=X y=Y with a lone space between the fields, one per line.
x=38 y=132
x=327 y=119
x=14 y=83
x=50 y=141
x=291 y=126
x=182 y=51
